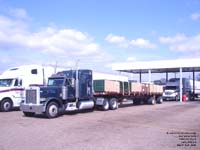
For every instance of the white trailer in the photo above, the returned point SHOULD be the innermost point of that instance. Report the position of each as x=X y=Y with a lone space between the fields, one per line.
x=102 y=76
x=13 y=82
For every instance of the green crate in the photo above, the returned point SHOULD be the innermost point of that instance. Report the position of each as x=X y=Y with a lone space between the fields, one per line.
x=124 y=87
x=99 y=85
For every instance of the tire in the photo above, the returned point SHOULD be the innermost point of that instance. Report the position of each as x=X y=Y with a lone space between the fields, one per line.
x=160 y=100
x=152 y=101
x=52 y=110
x=28 y=114
x=113 y=104
x=6 y=105
x=105 y=105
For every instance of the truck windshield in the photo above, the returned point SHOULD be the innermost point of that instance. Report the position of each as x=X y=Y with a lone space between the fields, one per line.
x=171 y=88
x=55 y=82
x=6 y=82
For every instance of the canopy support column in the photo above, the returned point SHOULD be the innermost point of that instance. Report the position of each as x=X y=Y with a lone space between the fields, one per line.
x=181 y=85
x=193 y=79
x=166 y=77
x=140 y=76
x=149 y=76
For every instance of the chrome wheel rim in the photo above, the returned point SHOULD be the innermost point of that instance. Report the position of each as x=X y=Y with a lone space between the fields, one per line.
x=114 y=104
x=106 y=105
x=6 y=106
x=53 y=110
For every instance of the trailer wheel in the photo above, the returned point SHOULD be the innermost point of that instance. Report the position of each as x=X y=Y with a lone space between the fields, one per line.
x=113 y=104
x=52 y=110
x=28 y=114
x=160 y=100
x=152 y=101
x=105 y=105
x=6 y=105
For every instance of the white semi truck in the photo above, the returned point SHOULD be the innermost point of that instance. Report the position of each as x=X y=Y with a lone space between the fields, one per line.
x=172 y=88
x=13 y=82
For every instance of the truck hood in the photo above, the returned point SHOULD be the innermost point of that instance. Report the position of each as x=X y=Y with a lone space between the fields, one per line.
x=169 y=92
x=4 y=88
x=47 y=92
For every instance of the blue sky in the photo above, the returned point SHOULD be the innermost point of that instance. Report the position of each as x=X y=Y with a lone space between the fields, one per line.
x=97 y=32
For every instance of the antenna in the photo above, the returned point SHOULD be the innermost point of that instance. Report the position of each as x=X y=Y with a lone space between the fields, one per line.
x=55 y=68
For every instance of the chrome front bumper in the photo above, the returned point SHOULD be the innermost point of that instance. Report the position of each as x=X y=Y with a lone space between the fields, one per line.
x=38 y=109
x=168 y=98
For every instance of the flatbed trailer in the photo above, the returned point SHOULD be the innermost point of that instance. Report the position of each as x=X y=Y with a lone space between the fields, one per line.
x=137 y=92
x=111 y=101
x=76 y=90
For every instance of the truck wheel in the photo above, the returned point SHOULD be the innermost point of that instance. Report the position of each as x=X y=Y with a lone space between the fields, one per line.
x=152 y=101
x=105 y=105
x=113 y=104
x=160 y=100
x=6 y=105
x=28 y=114
x=52 y=110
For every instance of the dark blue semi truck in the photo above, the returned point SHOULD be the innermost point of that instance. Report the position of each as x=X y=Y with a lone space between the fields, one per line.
x=67 y=90
x=73 y=90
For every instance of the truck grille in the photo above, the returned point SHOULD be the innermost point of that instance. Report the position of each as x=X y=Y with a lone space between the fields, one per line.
x=31 y=96
x=168 y=93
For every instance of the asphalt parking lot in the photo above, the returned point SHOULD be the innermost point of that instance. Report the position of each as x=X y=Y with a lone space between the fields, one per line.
x=168 y=126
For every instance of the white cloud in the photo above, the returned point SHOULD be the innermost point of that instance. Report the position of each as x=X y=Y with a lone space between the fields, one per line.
x=195 y=16
x=47 y=44
x=175 y=39
x=125 y=43
x=47 y=39
x=118 y=40
x=115 y=39
x=142 y=43
x=18 y=13
x=183 y=43
x=131 y=59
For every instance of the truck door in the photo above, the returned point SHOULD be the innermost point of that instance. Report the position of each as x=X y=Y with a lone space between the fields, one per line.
x=70 y=84
x=18 y=90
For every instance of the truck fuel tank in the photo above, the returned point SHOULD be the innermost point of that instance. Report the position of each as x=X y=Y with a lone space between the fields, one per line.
x=85 y=104
x=64 y=93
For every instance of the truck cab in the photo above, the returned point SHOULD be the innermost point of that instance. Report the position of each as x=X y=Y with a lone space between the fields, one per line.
x=171 y=92
x=66 y=91
x=11 y=93
x=172 y=88
x=14 y=81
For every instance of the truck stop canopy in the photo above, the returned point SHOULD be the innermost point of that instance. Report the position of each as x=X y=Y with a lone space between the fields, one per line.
x=161 y=66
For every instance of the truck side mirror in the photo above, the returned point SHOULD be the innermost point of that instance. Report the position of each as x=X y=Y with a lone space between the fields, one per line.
x=70 y=82
x=18 y=82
